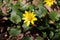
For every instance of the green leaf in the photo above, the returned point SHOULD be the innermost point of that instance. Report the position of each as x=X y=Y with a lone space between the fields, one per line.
x=31 y=7
x=41 y=27
x=58 y=2
x=56 y=37
x=39 y=38
x=15 y=18
x=26 y=27
x=43 y=9
x=27 y=7
x=16 y=15
x=14 y=31
x=44 y=34
x=51 y=34
x=19 y=13
x=54 y=15
x=15 y=7
x=27 y=38
x=41 y=12
x=24 y=7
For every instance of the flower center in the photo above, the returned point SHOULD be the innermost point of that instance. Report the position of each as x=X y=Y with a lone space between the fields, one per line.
x=29 y=17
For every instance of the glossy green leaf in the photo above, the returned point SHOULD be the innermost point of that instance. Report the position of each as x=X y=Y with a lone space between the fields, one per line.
x=41 y=12
x=24 y=7
x=39 y=38
x=15 y=18
x=31 y=7
x=51 y=34
x=44 y=34
x=27 y=38
x=58 y=1
x=42 y=28
x=15 y=31
x=54 y=15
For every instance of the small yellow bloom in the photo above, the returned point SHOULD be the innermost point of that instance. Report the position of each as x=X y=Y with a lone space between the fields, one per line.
x=29 y=17
x=49 y=2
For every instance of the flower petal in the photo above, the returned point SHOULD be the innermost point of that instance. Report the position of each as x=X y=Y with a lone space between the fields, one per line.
x=28 y=23
x=32 y=22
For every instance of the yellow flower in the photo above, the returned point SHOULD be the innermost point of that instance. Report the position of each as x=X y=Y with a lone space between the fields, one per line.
x=29 y=17
x=49 y=2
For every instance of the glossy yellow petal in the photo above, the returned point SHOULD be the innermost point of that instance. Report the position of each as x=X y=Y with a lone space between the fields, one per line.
x=23 y=18
x=26 y=12
x=23 y=14
x=32 y=22
x=34 y=18
x=28 y=23
x=25 y=21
